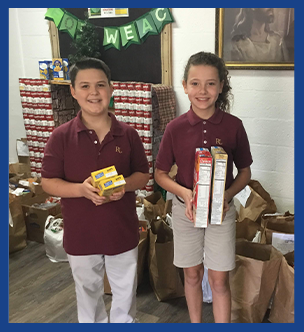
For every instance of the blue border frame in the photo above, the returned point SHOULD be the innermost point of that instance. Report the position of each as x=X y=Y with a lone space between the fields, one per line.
x=298 y=183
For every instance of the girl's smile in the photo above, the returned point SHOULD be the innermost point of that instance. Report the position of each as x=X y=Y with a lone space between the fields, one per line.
x=203 y=87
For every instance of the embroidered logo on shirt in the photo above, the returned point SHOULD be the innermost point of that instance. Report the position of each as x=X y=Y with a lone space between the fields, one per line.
x=118 y=149
x=218 y=141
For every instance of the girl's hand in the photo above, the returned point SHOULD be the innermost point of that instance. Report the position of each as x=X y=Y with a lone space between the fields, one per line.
x=188 y=199
x=91 y=193
x=226 y=205
x=117 y=196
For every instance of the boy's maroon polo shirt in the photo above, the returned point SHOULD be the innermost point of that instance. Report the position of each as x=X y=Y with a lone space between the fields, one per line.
x=72 y=153
x=188 y=132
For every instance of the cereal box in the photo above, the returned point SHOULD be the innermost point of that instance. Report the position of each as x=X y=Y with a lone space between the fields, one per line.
x=201 y=187
x=58 y=69
x=66 y=68
x=220 y=159
x=44 y=69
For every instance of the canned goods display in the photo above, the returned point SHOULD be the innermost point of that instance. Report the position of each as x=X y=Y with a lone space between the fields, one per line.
x=132 y=104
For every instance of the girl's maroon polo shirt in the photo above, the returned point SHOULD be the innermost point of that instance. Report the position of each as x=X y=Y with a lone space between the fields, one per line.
x=188 y=132
x=72 y=153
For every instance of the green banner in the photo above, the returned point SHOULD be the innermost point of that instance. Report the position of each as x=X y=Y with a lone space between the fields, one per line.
x=135 y=32
x=111 y=38
x=146 y=27
x=68 y=24
x=161 y=17
x=55 y=15
x=129 y=35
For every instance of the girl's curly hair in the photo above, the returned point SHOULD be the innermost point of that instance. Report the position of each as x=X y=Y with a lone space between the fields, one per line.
x=210 y=59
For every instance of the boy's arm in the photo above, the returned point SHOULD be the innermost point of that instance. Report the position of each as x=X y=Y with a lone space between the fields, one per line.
x=65 y=189
x=135 y=181
x=164 y=180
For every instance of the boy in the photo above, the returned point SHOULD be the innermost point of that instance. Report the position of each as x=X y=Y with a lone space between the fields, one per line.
x=98 y=235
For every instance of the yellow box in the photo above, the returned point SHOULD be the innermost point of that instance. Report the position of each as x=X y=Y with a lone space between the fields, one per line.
x=103 y=174
x=220 y=160
x=111 y=185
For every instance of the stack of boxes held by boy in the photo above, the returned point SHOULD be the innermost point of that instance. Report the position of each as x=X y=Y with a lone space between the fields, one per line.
x=108 y=181
x=209 y=186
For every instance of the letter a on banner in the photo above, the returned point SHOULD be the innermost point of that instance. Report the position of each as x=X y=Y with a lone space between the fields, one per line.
x=146 y=27
x=111 y=38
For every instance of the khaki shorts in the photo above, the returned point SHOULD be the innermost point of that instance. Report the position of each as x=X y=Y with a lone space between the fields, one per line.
x=213 y=246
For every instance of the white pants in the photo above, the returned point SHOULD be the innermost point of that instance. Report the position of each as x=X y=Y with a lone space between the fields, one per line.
x=88 y=273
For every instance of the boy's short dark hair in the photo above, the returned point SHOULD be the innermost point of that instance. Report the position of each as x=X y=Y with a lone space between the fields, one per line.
x=89 y=63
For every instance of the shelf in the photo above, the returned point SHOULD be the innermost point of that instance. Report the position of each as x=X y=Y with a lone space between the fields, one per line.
x=61 y=82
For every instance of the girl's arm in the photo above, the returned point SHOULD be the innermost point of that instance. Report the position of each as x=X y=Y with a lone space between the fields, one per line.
x=241 y=180
x=164 y=180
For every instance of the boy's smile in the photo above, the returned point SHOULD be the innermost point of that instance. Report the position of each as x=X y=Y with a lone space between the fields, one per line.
x=92 y=91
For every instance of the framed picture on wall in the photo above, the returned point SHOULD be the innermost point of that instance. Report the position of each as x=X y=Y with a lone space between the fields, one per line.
x=255 y=38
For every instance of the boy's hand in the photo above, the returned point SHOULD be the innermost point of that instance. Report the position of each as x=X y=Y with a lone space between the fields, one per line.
x=91 y=193
x=188 y=199
x=117 y=196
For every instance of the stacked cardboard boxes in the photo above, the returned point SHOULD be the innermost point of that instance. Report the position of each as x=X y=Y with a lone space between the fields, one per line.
x=108 y=181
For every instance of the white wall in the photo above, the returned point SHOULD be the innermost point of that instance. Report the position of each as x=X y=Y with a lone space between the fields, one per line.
x=264 y=100
x=29 y=42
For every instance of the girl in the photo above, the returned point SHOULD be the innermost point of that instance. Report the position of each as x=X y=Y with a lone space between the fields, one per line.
x=206 y=124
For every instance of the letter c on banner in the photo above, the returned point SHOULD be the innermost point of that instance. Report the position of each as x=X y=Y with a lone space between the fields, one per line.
x=157 y=16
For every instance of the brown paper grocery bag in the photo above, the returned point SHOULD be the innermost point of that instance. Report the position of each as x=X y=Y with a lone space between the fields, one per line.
x=258 y=203
x=282 y=309
x=247 y=229
x=253 y=280
x=165 y=278
x=283 y=223
x=17 y=232
x=154 y=206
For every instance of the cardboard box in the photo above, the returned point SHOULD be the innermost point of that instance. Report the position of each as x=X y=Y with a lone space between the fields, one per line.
x=35 y=217
x=220 y=160
x=103 y=174
x=34 y=184
x=201 y=187
x=112 y=185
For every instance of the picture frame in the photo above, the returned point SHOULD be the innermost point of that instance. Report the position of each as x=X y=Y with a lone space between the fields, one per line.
x=255 y=38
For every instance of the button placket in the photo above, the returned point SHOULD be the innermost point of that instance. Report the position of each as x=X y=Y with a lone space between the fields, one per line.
x=204 y=132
